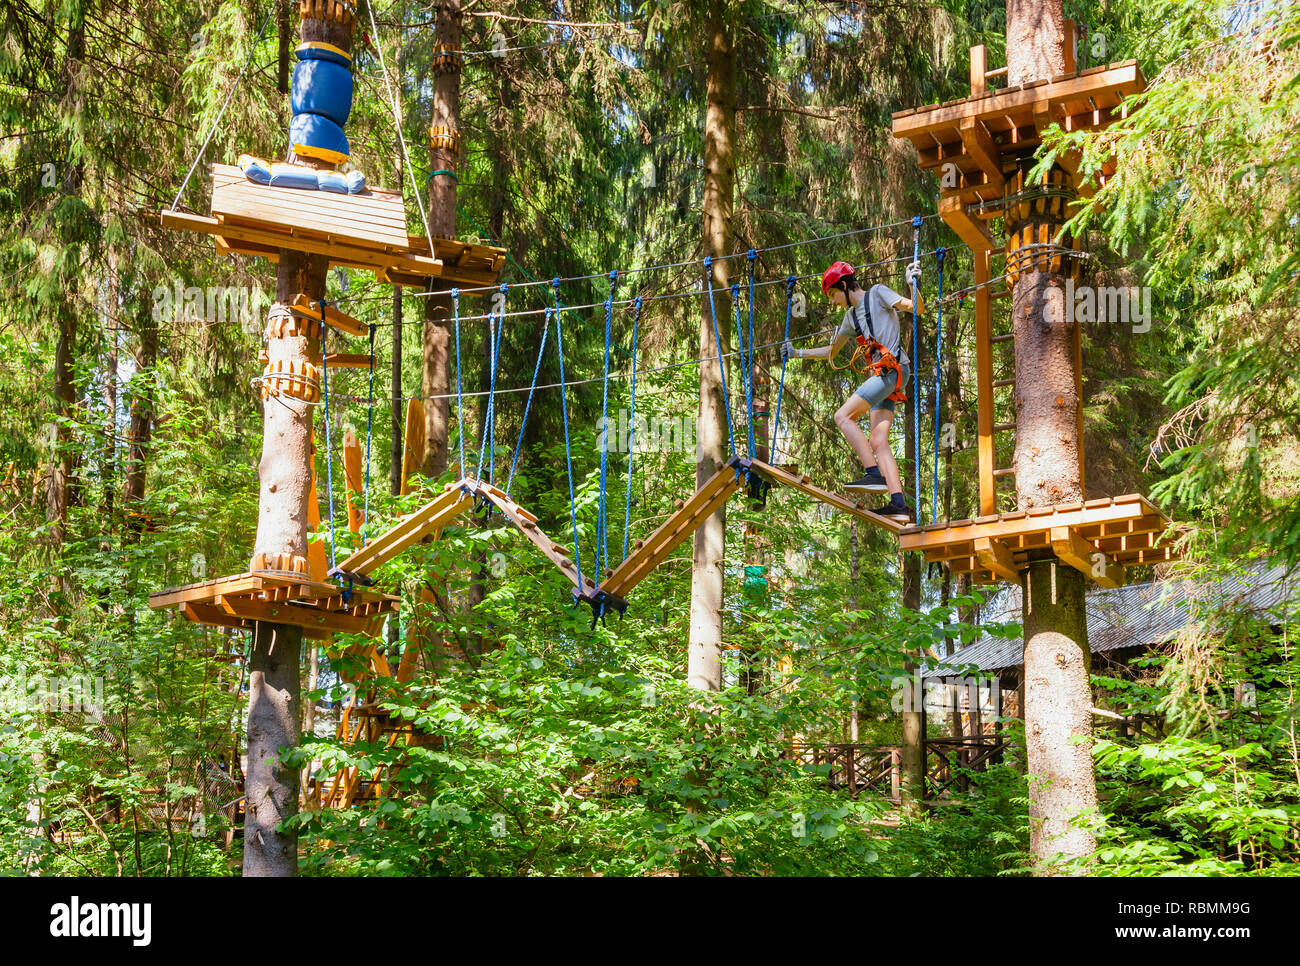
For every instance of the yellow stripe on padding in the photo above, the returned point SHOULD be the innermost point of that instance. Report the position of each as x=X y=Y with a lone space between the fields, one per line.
x=325 y=154
x=322 y=45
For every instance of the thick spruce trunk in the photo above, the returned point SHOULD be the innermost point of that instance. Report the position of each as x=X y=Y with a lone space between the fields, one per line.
x=704 y=664
x=444 y=155
x=285 y=472
x=1057 y=692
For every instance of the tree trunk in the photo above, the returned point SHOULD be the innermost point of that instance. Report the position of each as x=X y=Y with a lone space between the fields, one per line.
x=1057 y=691
x=285 y=471
x=444 y=155
x=704 y=665
x=140 y=430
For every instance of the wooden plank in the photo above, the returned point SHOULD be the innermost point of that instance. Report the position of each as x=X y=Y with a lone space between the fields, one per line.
x=1122 y=79
x=352 y=479
x=317 y=565
x=432 y=516
x=716 y=490
x=339 y=252
x=526 y=524
x=993 y=555
x=979 y=65
x=1072 y=549
x=206 y=590
x=413 y=442
x=777 y=475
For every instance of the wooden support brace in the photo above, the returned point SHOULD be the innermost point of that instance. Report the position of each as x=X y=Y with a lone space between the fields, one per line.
x=1082 y=555
x=968 y=228
x=994 y=555
x=979 y=145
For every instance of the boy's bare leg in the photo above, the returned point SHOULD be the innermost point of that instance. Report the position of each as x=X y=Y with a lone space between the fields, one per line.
x=881 y=419
x=846 y=419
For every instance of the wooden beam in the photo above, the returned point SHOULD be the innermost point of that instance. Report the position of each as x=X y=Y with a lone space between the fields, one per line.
x=988 y=494
x=979 y=145
x=352 y=479
x=526 y=523
x=968 y=228
x=306 y=307
x=1072 y=549
x=979 y=65
x=348 y=360
x=994 y=555
x=306 y=617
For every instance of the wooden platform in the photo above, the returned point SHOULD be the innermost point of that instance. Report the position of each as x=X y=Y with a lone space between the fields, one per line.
x=366 y=230
x=977 y=134
x=1100 y=537
x=318 y=608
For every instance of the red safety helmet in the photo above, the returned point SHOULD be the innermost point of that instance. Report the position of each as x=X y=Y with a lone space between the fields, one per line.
x=833 y=274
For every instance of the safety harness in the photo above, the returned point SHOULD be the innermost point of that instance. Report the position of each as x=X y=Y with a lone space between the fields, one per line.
x=873 y=355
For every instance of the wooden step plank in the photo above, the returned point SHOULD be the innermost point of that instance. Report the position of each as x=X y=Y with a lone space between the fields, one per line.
x=777 y=475
x=432 y=516
x=673 y=532
x=526 y=524
x=348 y=360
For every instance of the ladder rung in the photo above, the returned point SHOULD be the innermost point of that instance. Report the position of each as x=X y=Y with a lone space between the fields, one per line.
x=1007 y=471
x=1003 y=427
x=1000 y=293
x=1002 y=338
x=999 y=383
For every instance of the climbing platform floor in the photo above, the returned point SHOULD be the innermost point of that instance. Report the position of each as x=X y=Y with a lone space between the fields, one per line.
x=1100 y=537
x=365 y=230
x=318 y=608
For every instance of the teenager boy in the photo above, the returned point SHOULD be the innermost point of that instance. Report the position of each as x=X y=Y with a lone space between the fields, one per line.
x=871 y=320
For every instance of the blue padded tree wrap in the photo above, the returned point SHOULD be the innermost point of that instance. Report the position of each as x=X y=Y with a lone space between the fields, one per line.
x=319 y=50
x=314 y=136
x=322 y=87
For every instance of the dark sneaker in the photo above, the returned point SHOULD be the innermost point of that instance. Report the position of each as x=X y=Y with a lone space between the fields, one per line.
x=873 y=481
x=901 y=514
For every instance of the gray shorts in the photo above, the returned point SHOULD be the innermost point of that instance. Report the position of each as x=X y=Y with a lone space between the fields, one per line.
x=877 y=389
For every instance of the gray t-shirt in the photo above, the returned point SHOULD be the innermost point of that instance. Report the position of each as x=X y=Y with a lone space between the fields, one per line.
x=880 y=300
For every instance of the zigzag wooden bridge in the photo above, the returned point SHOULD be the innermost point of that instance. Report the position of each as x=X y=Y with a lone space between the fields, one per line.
x=324 y=609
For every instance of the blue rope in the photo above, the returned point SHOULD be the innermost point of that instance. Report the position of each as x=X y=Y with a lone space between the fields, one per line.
x=541 y=351
x=916 y=374
x=460 y=407
x=489 y=417
x=631 y=433
x=370 y=420
x=329 y=459
x=602 y=536
x=776 y=423
x=568 y=449
x=717 y=339
x=749 y=362
x=938 y=397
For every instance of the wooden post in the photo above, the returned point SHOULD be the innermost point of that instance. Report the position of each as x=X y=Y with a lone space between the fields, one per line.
x=979 y=65
x=984 y=384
